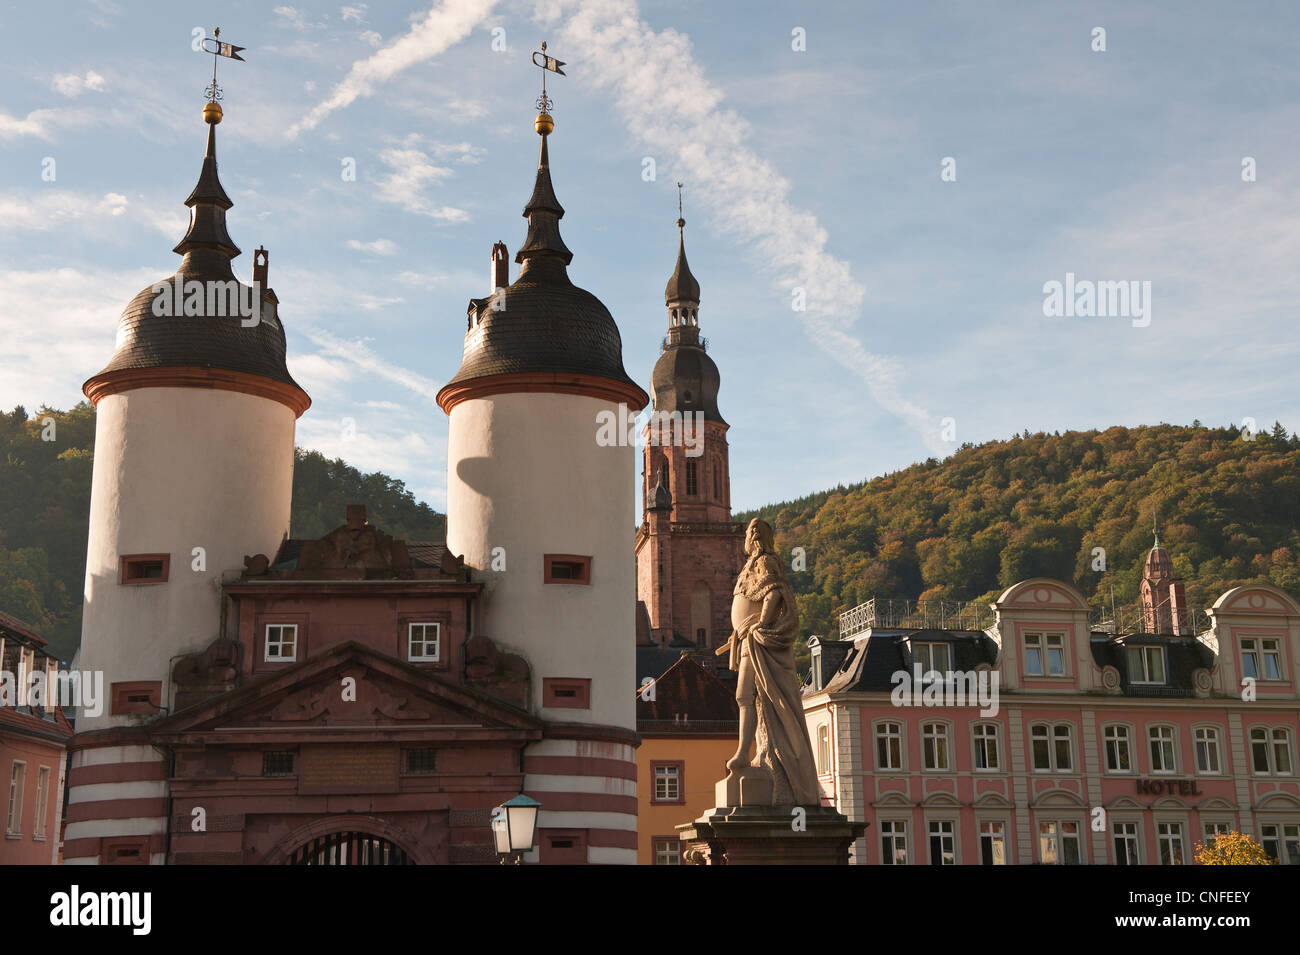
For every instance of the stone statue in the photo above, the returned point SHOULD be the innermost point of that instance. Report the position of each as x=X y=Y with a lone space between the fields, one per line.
x=765 y=620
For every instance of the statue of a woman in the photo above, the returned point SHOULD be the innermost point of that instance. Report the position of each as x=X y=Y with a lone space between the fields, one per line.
x=765 y=620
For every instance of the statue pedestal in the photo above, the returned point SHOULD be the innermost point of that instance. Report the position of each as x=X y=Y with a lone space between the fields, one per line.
x=769 y=835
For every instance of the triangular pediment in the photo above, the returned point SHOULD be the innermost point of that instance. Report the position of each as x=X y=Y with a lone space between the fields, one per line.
x=350 y=686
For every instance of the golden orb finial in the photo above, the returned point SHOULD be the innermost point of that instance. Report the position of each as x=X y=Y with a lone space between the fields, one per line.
x=544 y=123
x=212 y=112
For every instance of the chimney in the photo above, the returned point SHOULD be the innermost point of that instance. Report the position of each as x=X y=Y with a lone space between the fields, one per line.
x=260 y=258
x=500 y=267
x=356 y=516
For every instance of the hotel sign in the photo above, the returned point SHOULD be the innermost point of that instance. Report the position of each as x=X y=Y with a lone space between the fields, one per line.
x=1167 y=787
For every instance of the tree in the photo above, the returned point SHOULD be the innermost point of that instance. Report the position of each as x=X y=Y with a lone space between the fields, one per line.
x=1232 y=848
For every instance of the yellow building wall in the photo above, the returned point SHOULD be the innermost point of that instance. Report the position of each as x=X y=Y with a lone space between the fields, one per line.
x=705 y=760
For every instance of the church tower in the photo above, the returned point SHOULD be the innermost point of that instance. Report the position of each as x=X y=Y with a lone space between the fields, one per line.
x=1164 y=605
x=541 y=510
x=193 y=470
x=688 y=551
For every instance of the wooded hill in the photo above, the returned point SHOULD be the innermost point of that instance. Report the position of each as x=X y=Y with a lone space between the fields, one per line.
x=967 y=527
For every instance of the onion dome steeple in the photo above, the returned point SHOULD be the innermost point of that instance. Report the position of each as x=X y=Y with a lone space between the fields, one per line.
x=203 y=324
x=541 y=332
x=685 y=378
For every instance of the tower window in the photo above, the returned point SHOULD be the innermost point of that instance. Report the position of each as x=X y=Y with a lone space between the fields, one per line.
x=692 y=478
x=145 y=568
x=281 y=642
x=567 y=569
x=568 y=693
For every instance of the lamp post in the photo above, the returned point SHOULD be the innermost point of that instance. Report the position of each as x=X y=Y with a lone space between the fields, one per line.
x=514 y=824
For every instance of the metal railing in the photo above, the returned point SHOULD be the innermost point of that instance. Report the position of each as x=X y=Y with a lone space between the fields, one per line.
x=901 y=613
x=1134 y=618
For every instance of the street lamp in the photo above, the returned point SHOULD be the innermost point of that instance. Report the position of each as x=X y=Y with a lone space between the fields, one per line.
x=513 y=826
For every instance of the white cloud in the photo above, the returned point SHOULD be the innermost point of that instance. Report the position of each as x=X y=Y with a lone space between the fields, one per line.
x=378 y=246
x=371 y=37
x=748 y=197
x=359 y=354
x=293 y=17
x=441 y=28
x=38 y=123
x=357 y=14
x=411 y=173
x=72 y=85
x=48 y=209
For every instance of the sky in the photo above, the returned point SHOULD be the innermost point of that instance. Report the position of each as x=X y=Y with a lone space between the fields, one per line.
x=878 y=198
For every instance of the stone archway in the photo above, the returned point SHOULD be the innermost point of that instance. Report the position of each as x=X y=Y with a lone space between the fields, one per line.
x=348 y=840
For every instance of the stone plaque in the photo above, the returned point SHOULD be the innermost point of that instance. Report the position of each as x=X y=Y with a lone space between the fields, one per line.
x=348 y=768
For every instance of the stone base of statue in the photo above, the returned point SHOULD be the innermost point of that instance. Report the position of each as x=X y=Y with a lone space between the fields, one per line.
x=746 y=829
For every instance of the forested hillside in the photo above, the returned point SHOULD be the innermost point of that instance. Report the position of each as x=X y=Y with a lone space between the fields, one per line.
x=967 y=527
x=45 y=507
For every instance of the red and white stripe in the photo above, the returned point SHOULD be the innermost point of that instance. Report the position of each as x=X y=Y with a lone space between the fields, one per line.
x=586 y=784
x=115 y=791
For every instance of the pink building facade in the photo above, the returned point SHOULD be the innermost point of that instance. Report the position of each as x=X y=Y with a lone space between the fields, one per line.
x=1102 y=748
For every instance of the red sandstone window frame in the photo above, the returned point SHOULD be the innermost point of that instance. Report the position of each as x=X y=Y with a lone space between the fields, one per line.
x=674 y=844
x=655 y=766
x=130 y=564
x=136 y=847
x=577 y=562
x=549 y=853
x=572 y=693
x=126 y=698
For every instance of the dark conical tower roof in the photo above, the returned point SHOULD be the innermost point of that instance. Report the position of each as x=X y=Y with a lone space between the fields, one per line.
x=541 y=326
x=685 y=378
x=153 y=334
x=682 y=287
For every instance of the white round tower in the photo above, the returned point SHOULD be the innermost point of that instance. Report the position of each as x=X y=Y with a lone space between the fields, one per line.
x=540 y=502
x=193 y=470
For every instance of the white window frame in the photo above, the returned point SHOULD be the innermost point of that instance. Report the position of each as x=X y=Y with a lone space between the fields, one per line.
x=1044 y=644
x=1163 y=837
x=896 y=749
x=671 y=856
x=895 y=831
x=1164 y=745
x=1211 y=830
x=1059 y=838
x=1262 y=651
x=668 y=774
x=42 y=802
x=1053 y=738
x=995 y=832
x=1208 y=739
x=1273 y=736
x=1285 y=832
x=929 y=650
x=279 y=657
x=1142 y=674
x=944 y=737
x=424 y=641
x=823 y=749
x=983 y=740
x=1132 y=837
x=1120 y=737
x=934 y=829
x=17 y=783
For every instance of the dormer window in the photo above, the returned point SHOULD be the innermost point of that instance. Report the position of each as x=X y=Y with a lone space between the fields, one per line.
x=934 y=659
x=1260 y=658
x=1044 y=649
x=1146 y=664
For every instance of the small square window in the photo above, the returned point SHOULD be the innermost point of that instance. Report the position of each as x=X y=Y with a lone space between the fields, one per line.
x=145 y=568
x=567 y=569
x=424 y=642
x=667 y=782
x=566 y=693
x=668 y=851
x=421 y=762
x=141 y=697
x=281 y=642
x=277 y=764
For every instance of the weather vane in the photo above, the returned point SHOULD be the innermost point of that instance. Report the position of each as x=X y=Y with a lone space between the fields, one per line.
x=212 y=44
x=681 y=223
x=546 y=62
